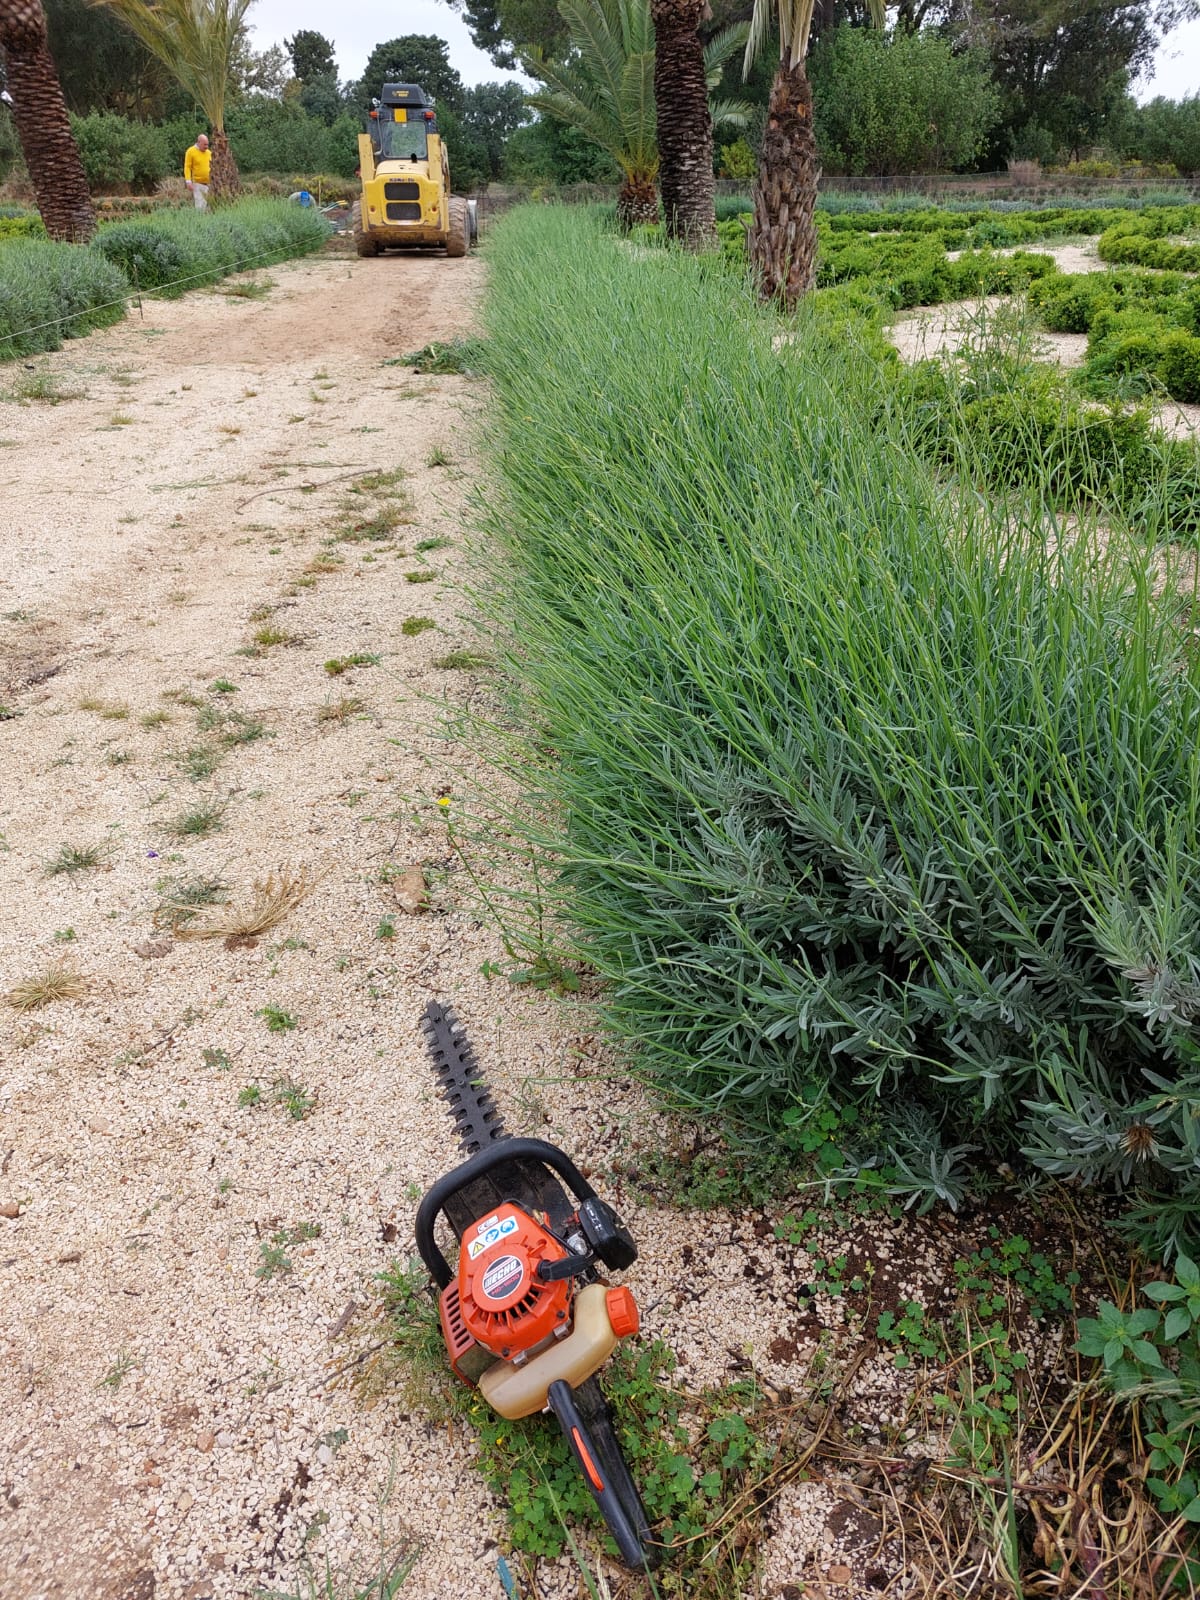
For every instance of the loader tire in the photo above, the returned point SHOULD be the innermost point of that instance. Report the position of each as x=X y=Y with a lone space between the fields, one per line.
x=363 y=242
x=459 y=237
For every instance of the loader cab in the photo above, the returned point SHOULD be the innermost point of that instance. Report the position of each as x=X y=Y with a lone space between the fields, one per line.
x=401 y=122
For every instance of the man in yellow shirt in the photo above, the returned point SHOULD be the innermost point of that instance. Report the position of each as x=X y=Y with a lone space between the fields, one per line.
x=197 y=164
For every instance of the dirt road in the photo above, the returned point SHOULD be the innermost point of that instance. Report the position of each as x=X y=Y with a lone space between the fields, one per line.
x=166 y=1425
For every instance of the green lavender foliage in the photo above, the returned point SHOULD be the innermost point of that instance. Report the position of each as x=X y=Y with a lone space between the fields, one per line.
x=864 y=791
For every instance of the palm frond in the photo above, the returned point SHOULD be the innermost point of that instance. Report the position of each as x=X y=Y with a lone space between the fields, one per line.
x=730 y=113
x=605 y=87
x=720 y=48
x=757 y=34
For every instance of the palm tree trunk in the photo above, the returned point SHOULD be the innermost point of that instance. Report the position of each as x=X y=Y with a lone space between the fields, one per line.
x=783 y=237
x=637 y=202
x=685 y=142
x=226 y=179
x=42 y=124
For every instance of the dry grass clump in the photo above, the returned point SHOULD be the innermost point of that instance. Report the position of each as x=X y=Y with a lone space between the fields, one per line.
x=57 y=982
x=271 y=900
x=350 y=705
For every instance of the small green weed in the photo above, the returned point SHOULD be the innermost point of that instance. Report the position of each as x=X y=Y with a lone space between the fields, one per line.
x=275 y=1261
x=437 y=457
x=1151 y=1356
x=180 y=899
x=250 y=1095
x=295 y=1099
x=463 y=661
x=422 y=575
x=64 y=935
x=198 y=821
x=340 y=711
x=154 y=719
x=386 y=928
x=272 y=634
x=337 y=665
x=909 y=1334
x=75 y=858
x=438 y=542
x=200 y=761
x=443 y=358
x=411 y=626
x=213 y=1056
x=222 y=686
x=277 y=1020
x=118 y=1372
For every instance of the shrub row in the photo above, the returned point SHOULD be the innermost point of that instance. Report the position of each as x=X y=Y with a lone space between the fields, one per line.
x=50 y=292
x=23 y=227
x=860 y=794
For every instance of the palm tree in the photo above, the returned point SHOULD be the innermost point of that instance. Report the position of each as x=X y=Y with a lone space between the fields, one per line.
x=197 y=41
x=783 y=235
x=606 y=90
x=43 y=127
x=686 y=73
x=685 y=130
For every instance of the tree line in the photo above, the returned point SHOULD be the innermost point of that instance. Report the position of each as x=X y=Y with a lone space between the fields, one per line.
x=657 y=93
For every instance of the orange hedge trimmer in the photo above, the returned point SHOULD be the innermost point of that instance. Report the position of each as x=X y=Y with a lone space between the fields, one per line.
x=527 y=1316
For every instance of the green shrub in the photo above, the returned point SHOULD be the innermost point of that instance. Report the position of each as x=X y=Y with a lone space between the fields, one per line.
x=51 y=292
x=862 y=793
x=118 y=152
x=23 y=227
x=173 y=251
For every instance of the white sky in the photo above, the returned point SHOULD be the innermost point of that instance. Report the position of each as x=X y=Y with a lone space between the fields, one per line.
x=360 y=25
x=355 y=27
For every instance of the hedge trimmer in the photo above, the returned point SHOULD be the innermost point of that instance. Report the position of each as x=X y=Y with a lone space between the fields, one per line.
x=527 y=1316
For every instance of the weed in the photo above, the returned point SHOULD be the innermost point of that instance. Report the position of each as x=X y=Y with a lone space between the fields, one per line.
x=275 y=1260
x=463 y=661
x=120 y=419
x=8 y=713
x=249 y=289
x=46 y=388
x=111 y=710
x=438 y=542
x=271 y=900
x=183 y=697
x=340 y=711
x=380 y=525
x=295 y=1099
x=213 y=1056
x=200 y=761
x=378 y=483
x=437 y=457
x=75 y=858
x=118 y=758
x=57 y=982
x=118 y=1372
x=234 y=727
x=337 y=665
x=64 y=935
x=271 y=634
x=465 y=356
x=181 y=899
x=422 y=575
x=222 y=686
x=199 y=820
x=154 y=719
x=324 y=561
x=277 y=1020
x=411 y=626
x=386 y=928
x=250 y=1095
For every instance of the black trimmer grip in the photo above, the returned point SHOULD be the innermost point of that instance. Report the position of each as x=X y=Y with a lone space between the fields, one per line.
x=604 y=1491
x=488 y=1159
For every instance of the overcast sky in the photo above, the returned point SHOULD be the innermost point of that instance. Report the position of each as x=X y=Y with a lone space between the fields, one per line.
x=360 y=25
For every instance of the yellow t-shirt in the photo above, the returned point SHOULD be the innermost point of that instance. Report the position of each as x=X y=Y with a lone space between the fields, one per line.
x=197 y=164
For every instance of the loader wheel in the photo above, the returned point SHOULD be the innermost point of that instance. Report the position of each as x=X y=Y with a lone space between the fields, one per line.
x=363 y=242
x=459 y=236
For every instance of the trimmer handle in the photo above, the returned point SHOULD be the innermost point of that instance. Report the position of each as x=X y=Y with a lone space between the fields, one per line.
x=489 y=1158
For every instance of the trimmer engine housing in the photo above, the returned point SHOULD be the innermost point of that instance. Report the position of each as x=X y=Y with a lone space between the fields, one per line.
x=503 y=1304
